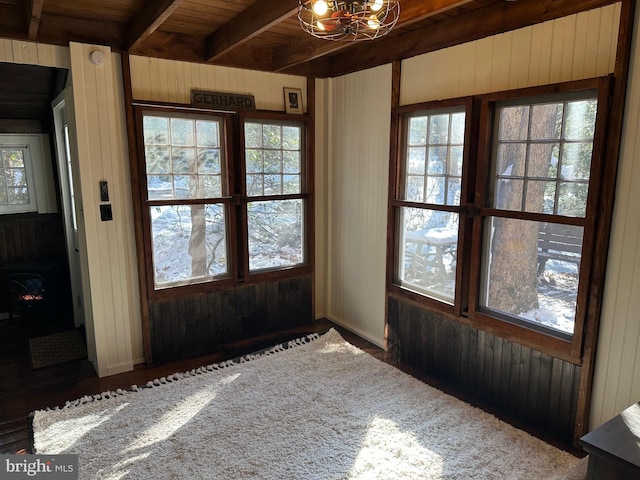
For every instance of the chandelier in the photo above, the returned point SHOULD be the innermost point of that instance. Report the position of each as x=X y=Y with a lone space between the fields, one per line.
x=348 y=19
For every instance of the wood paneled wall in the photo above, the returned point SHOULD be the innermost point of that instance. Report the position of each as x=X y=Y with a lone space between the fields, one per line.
x=617 y=373
x=113 y=312
x=159 y=80
x=31 y=238
x=534 y=388
x=200 y=324
x=18 y=51
x=358 y=119
x=569 y=48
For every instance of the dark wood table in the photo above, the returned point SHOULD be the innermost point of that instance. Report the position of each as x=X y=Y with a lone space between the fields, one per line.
x=614 y=447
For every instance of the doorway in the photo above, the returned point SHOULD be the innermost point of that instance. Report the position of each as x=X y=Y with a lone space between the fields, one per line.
x=37 y=296
x=68 y=202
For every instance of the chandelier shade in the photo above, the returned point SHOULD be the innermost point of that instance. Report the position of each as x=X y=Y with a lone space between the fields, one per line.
x=349 y=20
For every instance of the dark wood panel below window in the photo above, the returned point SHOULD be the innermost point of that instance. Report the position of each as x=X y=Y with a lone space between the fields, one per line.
x=535 y=388
x=31 y=237
x=204 y=323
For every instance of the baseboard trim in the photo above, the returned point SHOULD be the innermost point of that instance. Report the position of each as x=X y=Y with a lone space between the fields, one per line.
x=375 y=341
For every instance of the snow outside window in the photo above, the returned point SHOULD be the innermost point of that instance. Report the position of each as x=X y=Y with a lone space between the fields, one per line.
x=185 y=182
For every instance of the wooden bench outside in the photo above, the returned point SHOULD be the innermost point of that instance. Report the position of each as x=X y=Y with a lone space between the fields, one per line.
x=559 y=242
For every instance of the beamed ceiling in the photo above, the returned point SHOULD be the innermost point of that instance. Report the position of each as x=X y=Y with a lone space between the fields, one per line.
x=265 y=34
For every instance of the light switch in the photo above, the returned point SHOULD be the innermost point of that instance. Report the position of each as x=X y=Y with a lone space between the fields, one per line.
x=104 y=191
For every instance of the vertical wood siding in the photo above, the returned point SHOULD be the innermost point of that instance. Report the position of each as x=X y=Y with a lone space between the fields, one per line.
x=200 y=324
x=534 y=388
x=18 y=51
x=359 y=113
x=102 y=155
x=617 y=373
x=31 y=238
x=159 y=80
x=569 y=48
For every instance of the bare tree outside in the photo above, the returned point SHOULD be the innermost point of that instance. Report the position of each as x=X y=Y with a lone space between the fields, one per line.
x=512 y=288
x=542 y=161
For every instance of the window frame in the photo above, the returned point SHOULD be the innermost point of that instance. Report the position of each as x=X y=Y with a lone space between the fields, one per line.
x=396 y=202
x=305 y=195
x=233 y=199
x=475 y=209
x=30 y=179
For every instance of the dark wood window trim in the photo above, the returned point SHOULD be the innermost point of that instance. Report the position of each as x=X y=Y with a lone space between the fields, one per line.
x=473 y=211
x=234 y=199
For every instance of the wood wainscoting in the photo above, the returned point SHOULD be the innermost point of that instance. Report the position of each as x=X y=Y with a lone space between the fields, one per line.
x=31 y=237
x=531 y=387
x=202 y=323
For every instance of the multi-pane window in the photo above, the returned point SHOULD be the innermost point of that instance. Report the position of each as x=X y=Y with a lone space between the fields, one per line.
x=182 y=158
x=541 y=164
x=273 y=178
x=432 y=183
x=219 y=211
x=508 y=241
x=16 y=183
x=185 y=181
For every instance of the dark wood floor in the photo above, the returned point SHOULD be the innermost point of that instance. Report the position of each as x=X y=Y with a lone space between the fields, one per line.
x=24 y=390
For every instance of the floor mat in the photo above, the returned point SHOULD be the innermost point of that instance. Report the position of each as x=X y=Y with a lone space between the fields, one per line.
x=57 y=348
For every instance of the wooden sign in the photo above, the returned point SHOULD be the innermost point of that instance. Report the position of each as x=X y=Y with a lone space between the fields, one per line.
x=222 y=101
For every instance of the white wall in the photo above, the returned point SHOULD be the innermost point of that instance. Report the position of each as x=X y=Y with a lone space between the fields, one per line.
x=18 y=51
x=161 y=80
x=617 y=373
x=570 y=48
x=358 y=110
x=113 y=312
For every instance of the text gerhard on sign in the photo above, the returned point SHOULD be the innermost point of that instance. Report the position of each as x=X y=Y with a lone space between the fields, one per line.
x=222 y=101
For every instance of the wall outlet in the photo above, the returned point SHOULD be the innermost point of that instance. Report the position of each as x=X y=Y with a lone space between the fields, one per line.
x=105 y=212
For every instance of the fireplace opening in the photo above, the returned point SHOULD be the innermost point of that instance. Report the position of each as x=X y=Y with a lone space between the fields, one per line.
x=35 y=289
x=27 y=293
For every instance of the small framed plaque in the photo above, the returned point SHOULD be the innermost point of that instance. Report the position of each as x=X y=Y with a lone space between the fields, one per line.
x=293 y=100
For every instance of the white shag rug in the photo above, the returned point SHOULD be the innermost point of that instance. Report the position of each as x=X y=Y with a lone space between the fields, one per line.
x=318 y=408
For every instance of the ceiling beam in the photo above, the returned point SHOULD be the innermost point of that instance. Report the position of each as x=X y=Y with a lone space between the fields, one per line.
x=34 y=12
x=148 y=19
x=12 y=24
x=172 y=46
x=60 y=30
x=247 y=57
x=249 y=23
x=490 y=20
x=308 y=48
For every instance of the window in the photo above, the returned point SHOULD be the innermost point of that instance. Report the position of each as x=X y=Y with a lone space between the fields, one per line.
x=541 y=163
x=494 y=209
x=430 y=209
x=215 y=211
x=187 y=212
x=17 y=190
x=273 y=156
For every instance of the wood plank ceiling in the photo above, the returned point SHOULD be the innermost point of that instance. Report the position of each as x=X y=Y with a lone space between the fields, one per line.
x=265 y=34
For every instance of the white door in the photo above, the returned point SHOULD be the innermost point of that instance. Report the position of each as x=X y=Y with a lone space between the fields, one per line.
x=68 y=202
